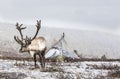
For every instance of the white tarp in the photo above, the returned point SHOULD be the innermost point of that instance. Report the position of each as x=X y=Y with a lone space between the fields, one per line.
x=60 y=48
x=53 y=52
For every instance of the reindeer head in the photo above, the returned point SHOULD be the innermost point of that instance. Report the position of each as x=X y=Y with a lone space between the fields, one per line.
x=25 y=42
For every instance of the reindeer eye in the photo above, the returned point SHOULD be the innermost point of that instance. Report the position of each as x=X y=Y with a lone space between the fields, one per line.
x=29 y=42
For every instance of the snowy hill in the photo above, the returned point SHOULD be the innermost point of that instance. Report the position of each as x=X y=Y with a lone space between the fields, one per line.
x=87 y=43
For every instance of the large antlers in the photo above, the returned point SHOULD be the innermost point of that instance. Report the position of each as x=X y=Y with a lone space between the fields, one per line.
x=19 y=28
x=38 y=28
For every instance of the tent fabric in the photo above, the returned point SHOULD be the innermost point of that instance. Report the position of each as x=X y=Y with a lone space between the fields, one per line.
x=60 y=49
x=52 y=53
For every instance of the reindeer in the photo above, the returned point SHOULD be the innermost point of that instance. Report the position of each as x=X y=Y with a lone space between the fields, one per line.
x=34 y=46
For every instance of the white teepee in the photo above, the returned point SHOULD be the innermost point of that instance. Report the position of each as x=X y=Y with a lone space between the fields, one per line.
x=60 y=48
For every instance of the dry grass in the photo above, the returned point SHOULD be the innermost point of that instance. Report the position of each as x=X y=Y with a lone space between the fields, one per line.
x=53 y=69
x=105 y=67
x=12 y=75
x=63 y=75
x=20 y=58
x=114 y=73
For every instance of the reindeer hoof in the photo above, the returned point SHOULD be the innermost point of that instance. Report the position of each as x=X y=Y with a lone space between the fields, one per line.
x=43 y=69
x=36 y=66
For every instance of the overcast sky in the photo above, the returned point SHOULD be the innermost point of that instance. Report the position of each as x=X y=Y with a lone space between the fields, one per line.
x=78 y=14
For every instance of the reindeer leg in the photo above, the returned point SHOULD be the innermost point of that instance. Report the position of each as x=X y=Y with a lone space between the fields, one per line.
x=43 y=55
x=44 y=61
x=41 y=59
x=35 y=60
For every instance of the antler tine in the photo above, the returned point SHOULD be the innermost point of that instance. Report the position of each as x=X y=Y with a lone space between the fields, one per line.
x=38 y=24
x=27 y=40
x=19 y=28
x=18 y=40
x=38 y=28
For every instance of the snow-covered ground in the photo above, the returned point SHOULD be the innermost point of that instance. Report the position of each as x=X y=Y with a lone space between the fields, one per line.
x=84 y=70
